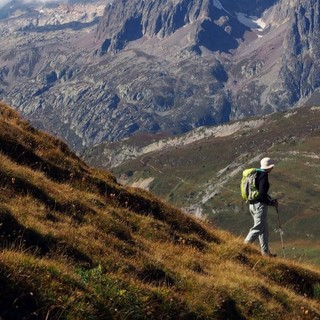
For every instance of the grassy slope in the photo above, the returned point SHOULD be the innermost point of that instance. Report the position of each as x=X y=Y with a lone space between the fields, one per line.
x=292 y=138
x=76 y=245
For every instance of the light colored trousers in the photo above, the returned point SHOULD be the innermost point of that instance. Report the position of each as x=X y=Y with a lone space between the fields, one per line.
x=260 y=227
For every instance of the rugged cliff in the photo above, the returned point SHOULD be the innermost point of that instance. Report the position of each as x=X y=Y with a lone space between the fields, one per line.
x=216 y=23
x=299 y=73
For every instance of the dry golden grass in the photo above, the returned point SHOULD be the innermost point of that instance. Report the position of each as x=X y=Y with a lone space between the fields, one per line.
x=76 y=245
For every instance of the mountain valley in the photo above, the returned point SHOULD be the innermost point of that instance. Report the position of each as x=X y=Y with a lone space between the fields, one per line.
x=200 y=171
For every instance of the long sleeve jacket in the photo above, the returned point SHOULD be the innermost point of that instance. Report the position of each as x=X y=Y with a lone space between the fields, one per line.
x=262 y=184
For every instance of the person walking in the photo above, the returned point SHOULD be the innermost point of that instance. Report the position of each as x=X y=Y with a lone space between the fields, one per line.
x=259 y=208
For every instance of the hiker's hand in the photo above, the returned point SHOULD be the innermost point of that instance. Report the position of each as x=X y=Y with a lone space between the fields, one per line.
x=275 y=203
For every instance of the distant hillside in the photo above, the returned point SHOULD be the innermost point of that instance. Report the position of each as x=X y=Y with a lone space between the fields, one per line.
x=201 y=170
x=77 y=245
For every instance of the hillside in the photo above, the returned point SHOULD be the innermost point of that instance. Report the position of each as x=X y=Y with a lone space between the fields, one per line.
x=201 y=170
x=77 y=245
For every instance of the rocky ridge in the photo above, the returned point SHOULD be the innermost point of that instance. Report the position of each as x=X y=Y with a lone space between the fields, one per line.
x=114 y=154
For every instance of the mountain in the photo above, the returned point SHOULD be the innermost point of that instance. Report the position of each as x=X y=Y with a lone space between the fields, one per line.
x=156 y=66
x=77 y=245
x=200 y=171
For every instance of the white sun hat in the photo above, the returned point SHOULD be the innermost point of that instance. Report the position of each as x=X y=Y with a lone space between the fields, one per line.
x=266 y=163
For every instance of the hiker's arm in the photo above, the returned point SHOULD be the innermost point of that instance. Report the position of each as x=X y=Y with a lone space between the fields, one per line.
x=275 y=203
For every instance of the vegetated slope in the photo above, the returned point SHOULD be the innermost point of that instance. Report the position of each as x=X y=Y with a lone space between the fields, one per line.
x=77 y=245
x=201 y=172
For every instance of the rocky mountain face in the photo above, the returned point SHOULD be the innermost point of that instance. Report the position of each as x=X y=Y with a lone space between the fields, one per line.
x=215 y=27
x=300 y=68
x=92 y=76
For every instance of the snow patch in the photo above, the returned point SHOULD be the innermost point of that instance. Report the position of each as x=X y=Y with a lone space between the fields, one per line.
x=218 y=4
x=260 y=23
x=251 y=22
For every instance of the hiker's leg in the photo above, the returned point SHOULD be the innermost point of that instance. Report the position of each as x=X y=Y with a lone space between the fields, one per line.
x=264 y=236
x=256 y=211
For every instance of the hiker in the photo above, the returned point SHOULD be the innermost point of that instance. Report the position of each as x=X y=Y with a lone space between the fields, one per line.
x=259 y=207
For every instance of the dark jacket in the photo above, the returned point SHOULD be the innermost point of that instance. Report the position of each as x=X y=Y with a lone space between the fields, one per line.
x=262 y=184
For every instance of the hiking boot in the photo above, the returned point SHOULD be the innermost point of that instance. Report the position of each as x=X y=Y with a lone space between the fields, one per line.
x=269 y=254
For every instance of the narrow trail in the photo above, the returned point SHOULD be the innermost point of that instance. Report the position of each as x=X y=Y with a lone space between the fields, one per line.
x=178 y=178
x=150 y=166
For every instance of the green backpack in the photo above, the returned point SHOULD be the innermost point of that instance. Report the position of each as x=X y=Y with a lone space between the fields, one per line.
x=248 y=188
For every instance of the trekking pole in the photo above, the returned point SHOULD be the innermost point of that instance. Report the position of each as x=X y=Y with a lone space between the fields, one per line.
x=281 y=232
